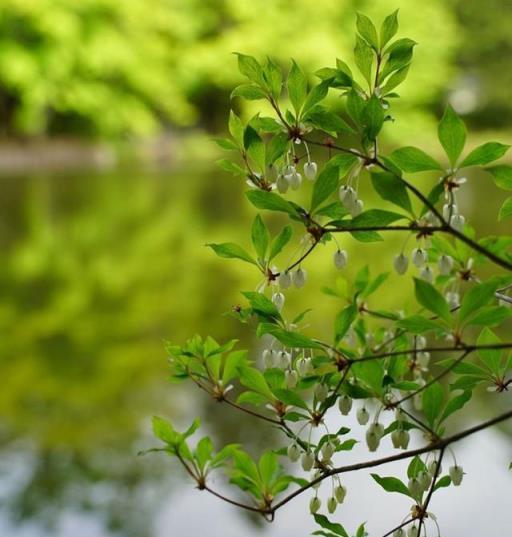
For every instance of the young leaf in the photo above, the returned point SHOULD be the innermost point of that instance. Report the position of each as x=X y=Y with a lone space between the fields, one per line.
x=429 y=297
x=389 y=28
x=328 y=121
x=477 y=297
x=432 y=401
x=343 y=321
x=252 y=378
x=506 y=209
x=490 y=357
x=367 y=30
x=297 y=87
x=276 y=147
x=317 y=94
x=456 y=403
x=392 y=189
x=452 y=134
x=231 y=250
x=236 y=128
x=400 y=55
x=502 y=176
x=418 y=324
x=250 y=92
x=363 y=56
x=337 y=529
x=411 y=159
x=249 y=67
x=392 y=484
x=280 y=242
x=254 y=146
x=375 y=217
x=270 y=201
x=163 y=430
x=260 y=237
x=484 y=154
x=373 y=116
x=325 y=185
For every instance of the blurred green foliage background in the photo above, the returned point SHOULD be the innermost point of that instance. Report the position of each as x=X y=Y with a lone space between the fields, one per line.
x=99 y=267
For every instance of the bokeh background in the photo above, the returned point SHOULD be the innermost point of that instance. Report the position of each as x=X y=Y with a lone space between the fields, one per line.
x=109 y=192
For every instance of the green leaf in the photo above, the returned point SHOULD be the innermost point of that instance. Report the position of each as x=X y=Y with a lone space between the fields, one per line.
x=363 y=56
x=429 y=297
x=236 y=128
x=297 y=87
x=291 y=398
x=163 y=430
x=411 y=159
x=225 y=143
x=249 y=67
x=490 y=316
x=375 y=217
x=355 y=106
x=280 y=242
x=415 y=467
x=337 y=529
x=490 y=357
x=317 y=94
x=367 y=30
x=203 y=452
x=323 y=119
x=452 y=134
x=252 y=378
x=506 y=209
x=276 y=148
x=445 y=481
x=262 y=305
x=343 y=321
x=400 y=55
x=392 y=189
x=391 y=484
x=274 y=77
x=389 y=28
x=260 y=237
x=418 y=324
x=270 y=201
x=502 y=176
x=231 y=250
x=231 y=167
x=254 y=146
x=395 y=80
x=373 y=117
x=268 y=467
x=484 y=154
x=287 y=337
x=249 y=92
x=456 y=403
x=477 y=297
x=324 y=186
x=432 y=402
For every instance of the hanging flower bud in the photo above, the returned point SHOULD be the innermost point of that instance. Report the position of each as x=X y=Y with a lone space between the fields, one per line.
x=401 y=263
x=299 y=278
x=327 y=451
x=456 y=474
x=413 y=531
x=291 y=378
x=340 y=492
x=295 y=180
x=307 y=460
x=294 y=452
x=357 y=208
x=449 y=209
x=321 y=392
x=316 y=475
x=427 y=274
x=421 y=342
x=362 y=416
x=378 y=429
x=284 y=359
x=453 y=299
x=372 y=439
x=278 y=300
x=423 y=358
x=304 y=366
x=457 y=222
x=347 y=196
x=445 y=264
x=282 y=184
x=415 y=487
x=419 y=257
x=396 y=438
x=332 y=504
x=269 y=358
x=404 y=437
x=425 y=479
x=310 y=169
x=432 y=468
x=284 y=280
x=340 y=259
x=399 y=533
x=314 y=505
x=345 y=404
